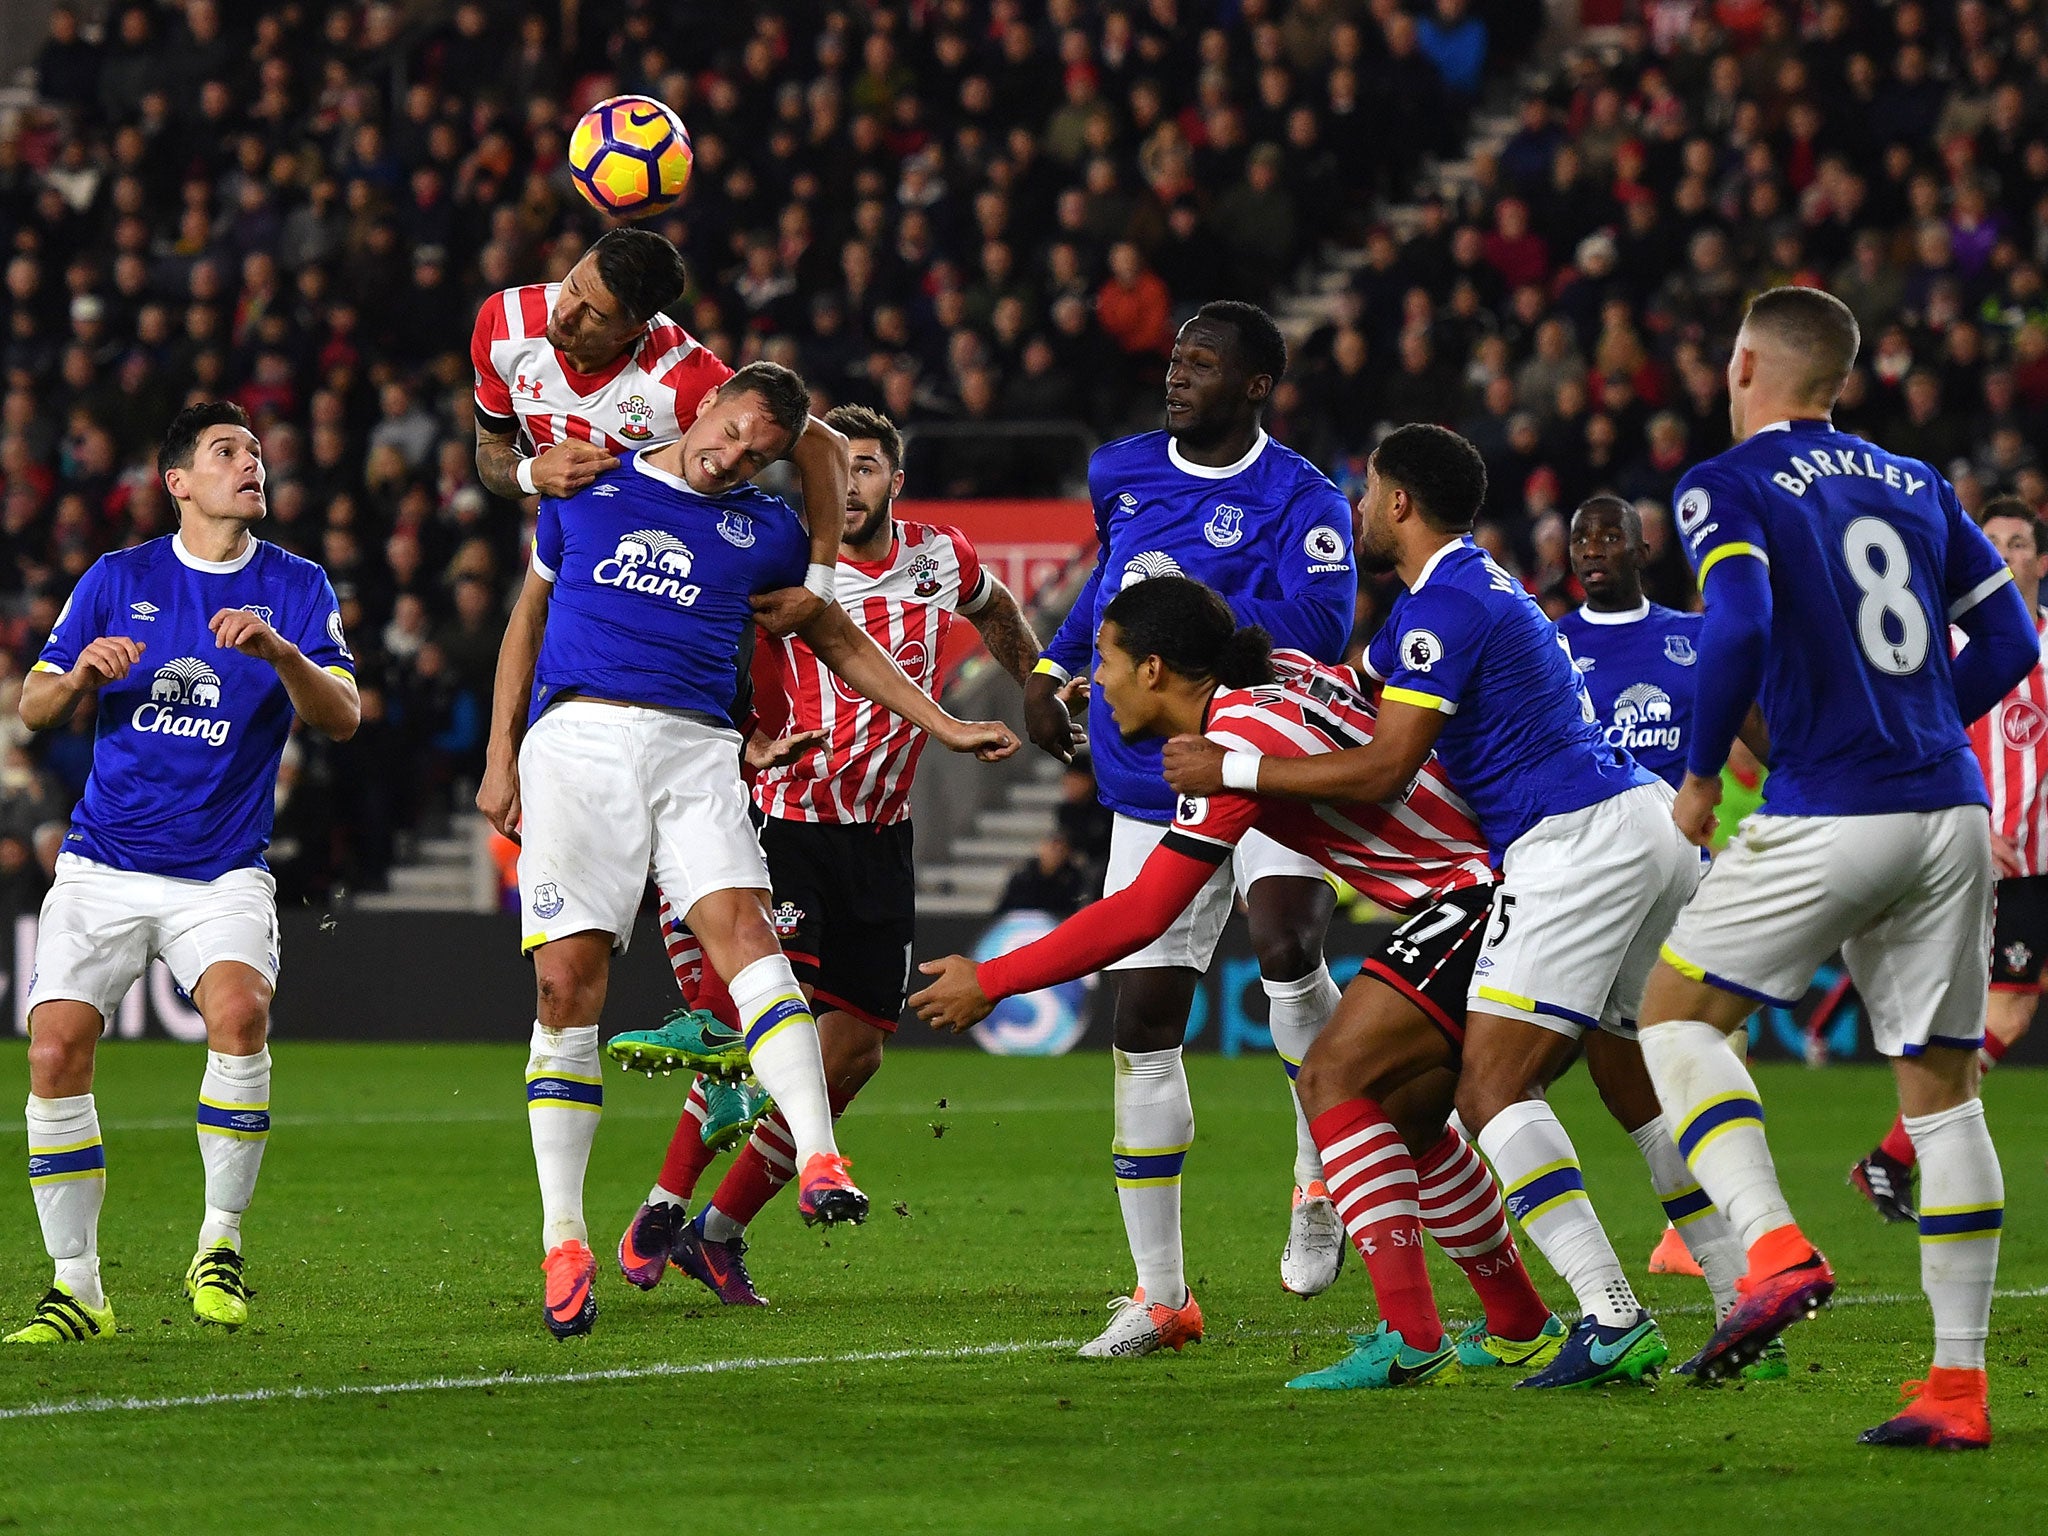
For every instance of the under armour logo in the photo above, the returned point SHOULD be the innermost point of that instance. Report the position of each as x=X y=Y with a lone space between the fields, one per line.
x=531 y=391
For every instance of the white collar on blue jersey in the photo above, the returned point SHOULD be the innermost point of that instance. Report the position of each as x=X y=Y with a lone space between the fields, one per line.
x=1633 y=615
x=1207 y=472
x=674 y=482
x=1430 y=565
x=214 y=567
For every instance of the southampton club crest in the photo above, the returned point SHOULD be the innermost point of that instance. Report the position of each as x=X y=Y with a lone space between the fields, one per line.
x=786 y=917
x=924 y=576
x=638 y=423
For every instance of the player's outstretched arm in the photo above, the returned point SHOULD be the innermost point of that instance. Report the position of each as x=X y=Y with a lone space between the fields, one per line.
x=1380 y=770
x=964 y=993
x=824 y=468
x=498 y=795
x=562 y=470
x=327 y=701
x=49 y=699
x=871 y=672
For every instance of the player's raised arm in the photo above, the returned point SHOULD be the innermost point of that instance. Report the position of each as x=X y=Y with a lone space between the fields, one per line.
x=324 y=697
x=497 y=796
x=870 y=671
x=824 y=467
x=1380 y=770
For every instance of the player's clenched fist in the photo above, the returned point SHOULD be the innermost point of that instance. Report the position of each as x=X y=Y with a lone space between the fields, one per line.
x=569 y=466
x=106 y=660
x=498 y=797
x=955 y=1000
x=237 y=629
x=1193 y=765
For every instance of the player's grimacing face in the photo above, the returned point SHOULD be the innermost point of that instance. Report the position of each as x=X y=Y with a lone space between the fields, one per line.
x=872 y=484
x=1122 y=684
x=732 y=440
x=225 y=478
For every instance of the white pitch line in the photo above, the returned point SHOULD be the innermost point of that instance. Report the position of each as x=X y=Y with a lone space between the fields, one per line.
x=657 y=1371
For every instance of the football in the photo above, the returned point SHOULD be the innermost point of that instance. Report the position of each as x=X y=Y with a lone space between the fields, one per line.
x=630 y=156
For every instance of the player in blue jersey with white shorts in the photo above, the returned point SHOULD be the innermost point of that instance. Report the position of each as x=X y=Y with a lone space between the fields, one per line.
x=1214 y=498
x=199 y=648
x=613 y=747
x=1832 y=571
x=1592 y=871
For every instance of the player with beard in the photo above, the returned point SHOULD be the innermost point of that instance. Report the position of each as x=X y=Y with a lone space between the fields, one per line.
x=1214 y=498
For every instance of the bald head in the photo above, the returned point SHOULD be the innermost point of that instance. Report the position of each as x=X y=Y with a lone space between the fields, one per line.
x=1792 y=357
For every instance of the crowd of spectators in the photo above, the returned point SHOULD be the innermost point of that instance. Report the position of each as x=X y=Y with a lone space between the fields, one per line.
x=965 y=211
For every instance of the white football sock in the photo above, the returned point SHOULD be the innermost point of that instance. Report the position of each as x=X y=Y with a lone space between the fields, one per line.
x=564 y=1101
x=1703 y=1229
x=782 y=1044
x=234 y=1127
x=1155 y=1126
x=67 y=1173
x=1962 y=1207
x=1539 y=1170
x=1711 y=1107
x=1300 y=1009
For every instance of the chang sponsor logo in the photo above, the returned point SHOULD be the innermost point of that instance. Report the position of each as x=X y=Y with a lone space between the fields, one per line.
x=1642 y=720
x=652 y=563
x=177 y=690
x=1153 y=562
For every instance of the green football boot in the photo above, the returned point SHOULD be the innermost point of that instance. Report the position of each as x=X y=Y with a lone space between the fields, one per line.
x=1383 y=1358
x=214 y=1282
x=61 y=1318
x=1480 y=1350
x=731 y=1110
x=688 y=1038
x=1772 y=1365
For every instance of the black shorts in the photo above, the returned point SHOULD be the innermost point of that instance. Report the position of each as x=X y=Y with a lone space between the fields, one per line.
x=2019 y=933
x=845 y=908
x=1429 y=958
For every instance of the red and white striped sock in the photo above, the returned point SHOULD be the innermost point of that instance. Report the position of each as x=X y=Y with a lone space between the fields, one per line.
x=696 y=978
x=1372 y=1180
x=765 y=1164
x=1461 y=1208
x=687 y=1156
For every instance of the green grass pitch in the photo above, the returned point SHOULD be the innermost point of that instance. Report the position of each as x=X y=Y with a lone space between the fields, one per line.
x=907 y=1377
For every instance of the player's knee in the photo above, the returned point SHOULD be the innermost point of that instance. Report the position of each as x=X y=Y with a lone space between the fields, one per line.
x=238 y=1024
x=852 y=1061
x=60 y=1060
x=1286 y=951
x=1483 y=1095
x=1321 y=1082
x=571 y=991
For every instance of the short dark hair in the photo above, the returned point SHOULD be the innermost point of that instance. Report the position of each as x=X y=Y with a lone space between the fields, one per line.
x=642 y=271
x=1620 y=506
x=781 y=389
x=181 y=438
x=1260 y=346
x=1192 y=630
x=856 y=421
x=1439 y=469
x=1817 y=327
x=2017 y=507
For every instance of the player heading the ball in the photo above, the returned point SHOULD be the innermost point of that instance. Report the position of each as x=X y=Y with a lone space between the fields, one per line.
x=613 y=746
x=196 y=649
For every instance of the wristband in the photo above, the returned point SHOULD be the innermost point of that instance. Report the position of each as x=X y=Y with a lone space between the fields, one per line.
x=1241 y=771
x=1047 y=667
x=523 y=475
x=820 y=581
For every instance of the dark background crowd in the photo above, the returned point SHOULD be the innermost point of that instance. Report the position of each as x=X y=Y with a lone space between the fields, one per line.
x=975 y=214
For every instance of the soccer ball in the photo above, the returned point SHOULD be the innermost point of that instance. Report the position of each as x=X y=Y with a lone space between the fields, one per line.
x=630 y=156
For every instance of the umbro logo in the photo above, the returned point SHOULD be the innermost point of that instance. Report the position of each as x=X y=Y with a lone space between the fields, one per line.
x=145 y=611
x=605 y=490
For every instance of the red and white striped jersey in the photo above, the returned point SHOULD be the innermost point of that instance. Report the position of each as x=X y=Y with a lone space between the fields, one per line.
x=907 y=602
x=1403 y=854
x=2012 y=749
x=643 y=400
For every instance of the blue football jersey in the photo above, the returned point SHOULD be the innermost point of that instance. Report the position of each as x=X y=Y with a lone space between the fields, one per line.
x=651 y=586
x=1270 y=533
x=1870 y=557
x=186 y=746
x=1520 y=740
x=1638 y=668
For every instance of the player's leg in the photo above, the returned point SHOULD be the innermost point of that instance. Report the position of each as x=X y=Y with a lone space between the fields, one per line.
x=585 y=839
x=1922 y=973
x=1155 y=1117
x=2019 y=941
x=91 y=945
x=1288 y=904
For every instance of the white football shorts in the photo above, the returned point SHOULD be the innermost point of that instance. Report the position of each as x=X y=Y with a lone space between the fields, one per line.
x=1905 y=897
x=606 y=788
x=101 y=927
x=1585 y=900
x=1192 y=940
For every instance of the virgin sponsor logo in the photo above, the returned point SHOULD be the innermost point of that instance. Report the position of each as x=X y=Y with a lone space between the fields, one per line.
x=913 y=656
